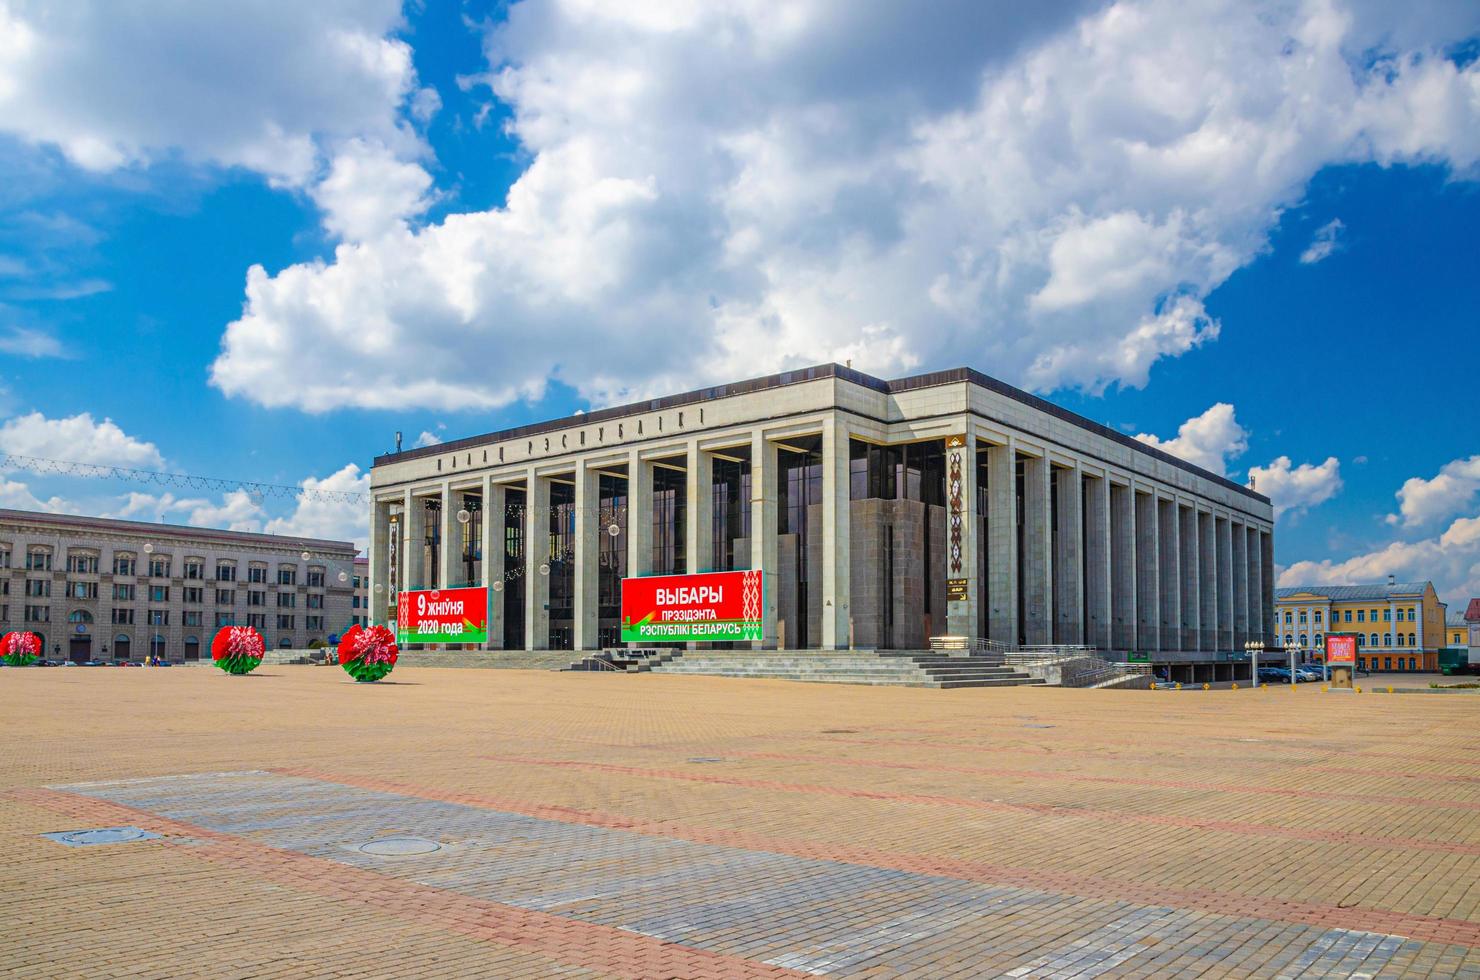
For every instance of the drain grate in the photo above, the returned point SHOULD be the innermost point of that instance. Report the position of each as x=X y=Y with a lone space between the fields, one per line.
x=1038 y=726
x=706 y=758
x=102 y=835
x=840 y=731
x=399 y=846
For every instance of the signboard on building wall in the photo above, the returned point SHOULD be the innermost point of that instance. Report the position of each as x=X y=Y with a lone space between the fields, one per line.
x=442 y=616
x=710 y=607
x=1341 y=649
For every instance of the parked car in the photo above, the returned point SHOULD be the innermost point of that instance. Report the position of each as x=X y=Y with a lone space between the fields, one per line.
x=1274 y=675
x=1305 y=675
x=94 y=663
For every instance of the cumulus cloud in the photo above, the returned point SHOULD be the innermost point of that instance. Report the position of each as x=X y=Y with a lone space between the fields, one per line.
x=79 y=439
x=1451 y=560
x=18 y=496
x=333 y=519
x=426 y=439
x=1450 y=491
x=716 y=191
x=1323 y=243
x=234 y=83
x=25 y=342
x=234 y=510
x=1294 y=489
x=1208 y=440
x=369 y=191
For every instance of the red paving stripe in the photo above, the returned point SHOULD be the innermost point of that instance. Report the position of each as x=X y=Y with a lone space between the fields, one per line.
x=1243 y=759
x=1309 y=794
x=1429 y=928
x=1242 y=828
x=567 y=941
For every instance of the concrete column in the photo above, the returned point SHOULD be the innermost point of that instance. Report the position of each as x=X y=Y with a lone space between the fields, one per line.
x=764 y=468
x=492 y=546
x=1123 y=567
x=699 y=510
x=587 y=579
x=639 y=516
x=413 y=550
x=836 y=544
x=1253 y=587
x=536 y=553
x=962 y=560
x=1148 y=573
x=1240 y=542
x=1171 y=574
x=1191 y=583
x=379 y=569
x=1002 y=532
x=1266 y=578
x=1225 y=584
x=1207 y=580
x=1097 y=567
x=1037 y=573
x=1068 y=559
x=448 y=554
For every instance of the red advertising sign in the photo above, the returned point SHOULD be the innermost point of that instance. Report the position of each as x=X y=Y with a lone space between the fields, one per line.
x=707 y=607
x=442 y=616
x=1341 y=649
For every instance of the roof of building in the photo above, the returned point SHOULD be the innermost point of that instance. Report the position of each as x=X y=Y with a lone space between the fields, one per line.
x=109 y=525
x=1472 y=612
x=1455 y=623
x=815 y=373
x=1352 y=593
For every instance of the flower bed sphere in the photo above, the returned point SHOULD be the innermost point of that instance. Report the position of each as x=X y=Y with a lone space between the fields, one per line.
x=19 y=649
x=368 y=654
x=237 y=649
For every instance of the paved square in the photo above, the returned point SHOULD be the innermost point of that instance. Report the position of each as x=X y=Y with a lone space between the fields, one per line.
x=520 y=823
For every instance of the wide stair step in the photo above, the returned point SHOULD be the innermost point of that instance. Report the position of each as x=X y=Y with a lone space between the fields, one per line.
x=918 y=668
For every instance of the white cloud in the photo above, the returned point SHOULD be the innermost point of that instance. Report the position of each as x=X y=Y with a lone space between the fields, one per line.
x=1208 y=440
x=336 y=520
x=1452 y=490
x=79 y=439
x=1323 y=242
x=716 y=191
x=234 y=83
x=1451 y=560
x=235 y=510
x=1295 y=489
x=25 y=342
x=18 y=496
x=369 y=192
x=426 y=439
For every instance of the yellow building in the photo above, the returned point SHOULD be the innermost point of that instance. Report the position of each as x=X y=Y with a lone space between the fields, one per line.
x=1457 y=633
x=1398 y=626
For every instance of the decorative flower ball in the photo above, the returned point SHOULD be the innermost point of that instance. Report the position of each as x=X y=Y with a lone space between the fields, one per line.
x=368 y=654
x=237 y=649
x=19 y=649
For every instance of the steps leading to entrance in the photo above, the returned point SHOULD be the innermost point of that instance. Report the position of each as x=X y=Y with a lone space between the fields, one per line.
x=902 y=668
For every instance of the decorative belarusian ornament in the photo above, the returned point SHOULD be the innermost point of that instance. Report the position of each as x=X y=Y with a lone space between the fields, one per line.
x=368 y=654
x=237 y=649
x=19 y=649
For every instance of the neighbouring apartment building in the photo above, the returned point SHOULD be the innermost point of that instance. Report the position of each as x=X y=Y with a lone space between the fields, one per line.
x=1398 y=626
x=97 y=588
x=880 y=512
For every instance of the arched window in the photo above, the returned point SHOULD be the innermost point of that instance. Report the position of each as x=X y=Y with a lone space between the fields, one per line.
x=1387 y=639
x=1289 y=640
x=1413 y=639
x=79 y=616
x=1374 y=639
x=1359 y=639
x=1318 y=639
x=1304 y=640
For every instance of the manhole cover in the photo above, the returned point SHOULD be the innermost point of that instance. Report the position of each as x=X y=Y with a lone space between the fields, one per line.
x=706 y=758
x=102 y=835
x=400 y=846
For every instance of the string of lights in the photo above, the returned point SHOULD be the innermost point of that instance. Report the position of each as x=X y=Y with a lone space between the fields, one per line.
x=96 y=471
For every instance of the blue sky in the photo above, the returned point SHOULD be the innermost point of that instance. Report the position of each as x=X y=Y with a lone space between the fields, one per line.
x=470 y=217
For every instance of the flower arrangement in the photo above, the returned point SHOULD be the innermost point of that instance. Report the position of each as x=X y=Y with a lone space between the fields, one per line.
x=19 y=649
x=368 y=654
x=237 y=649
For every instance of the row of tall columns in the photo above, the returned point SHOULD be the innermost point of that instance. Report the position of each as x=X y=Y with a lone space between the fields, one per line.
x=1115 y=566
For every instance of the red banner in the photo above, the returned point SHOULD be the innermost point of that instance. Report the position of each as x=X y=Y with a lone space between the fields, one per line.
x=442 y=616
x=707 y=607
x=1341 y=649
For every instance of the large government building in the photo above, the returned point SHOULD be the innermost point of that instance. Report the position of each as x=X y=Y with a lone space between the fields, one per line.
x=881 y=513
x=101 y=589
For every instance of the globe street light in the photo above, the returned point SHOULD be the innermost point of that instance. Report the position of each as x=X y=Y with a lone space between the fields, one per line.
x=1294 y=652
x=1254 y=648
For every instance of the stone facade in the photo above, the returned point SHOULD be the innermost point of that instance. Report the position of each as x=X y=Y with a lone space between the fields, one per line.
x=882 y=512
x=88 y=586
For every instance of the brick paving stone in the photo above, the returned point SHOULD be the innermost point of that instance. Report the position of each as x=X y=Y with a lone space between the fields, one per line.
x=847 y=831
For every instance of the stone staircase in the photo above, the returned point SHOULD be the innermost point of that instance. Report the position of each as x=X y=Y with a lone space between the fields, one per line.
x=893 y=667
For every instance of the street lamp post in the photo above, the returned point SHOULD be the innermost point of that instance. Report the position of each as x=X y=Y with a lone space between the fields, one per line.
x=1294 y=651
x=1253 y=648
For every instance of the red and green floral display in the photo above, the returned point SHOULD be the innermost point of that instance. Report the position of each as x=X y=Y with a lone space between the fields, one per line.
x=368 y=654
x=19 y=649
x=237 y=649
